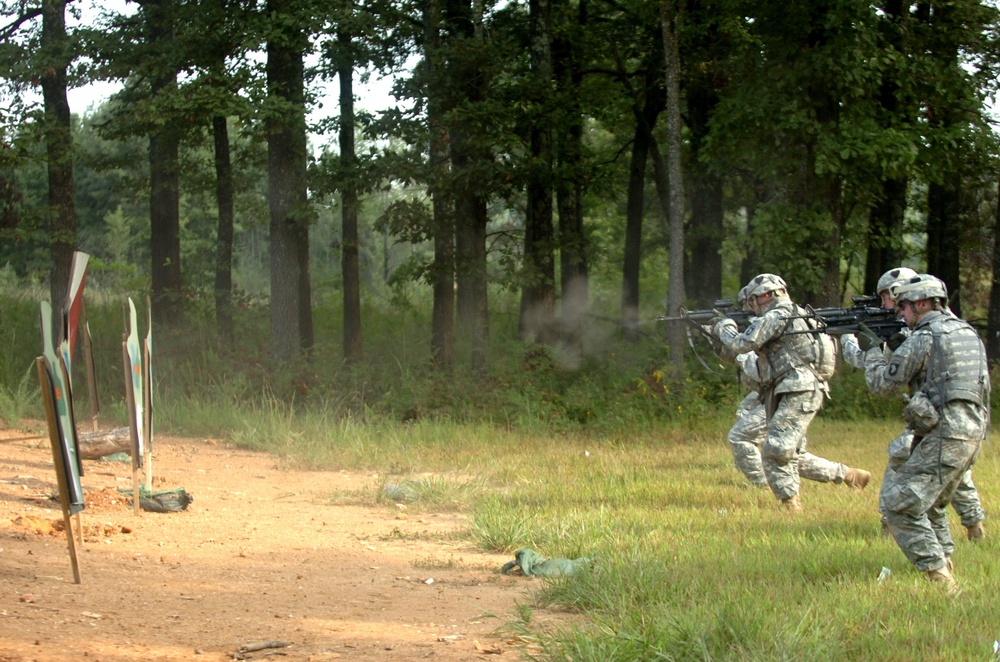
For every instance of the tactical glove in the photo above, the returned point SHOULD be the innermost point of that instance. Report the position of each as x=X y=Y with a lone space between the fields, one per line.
x=895 y=340
x=867 y=339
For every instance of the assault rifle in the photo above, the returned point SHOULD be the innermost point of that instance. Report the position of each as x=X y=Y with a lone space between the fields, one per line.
x=702 y=318
x=866 y=310
x=699 y=321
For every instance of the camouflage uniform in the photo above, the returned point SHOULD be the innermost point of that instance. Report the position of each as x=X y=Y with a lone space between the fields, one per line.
x=965 y=500
x=945 y=360
x=746 y=436
x=792 y=392
x=750 y=431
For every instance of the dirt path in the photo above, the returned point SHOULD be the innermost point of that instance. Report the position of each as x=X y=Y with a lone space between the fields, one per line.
x=260 y=555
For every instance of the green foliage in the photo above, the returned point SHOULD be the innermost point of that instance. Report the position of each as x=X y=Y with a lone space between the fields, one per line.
x=21 y=401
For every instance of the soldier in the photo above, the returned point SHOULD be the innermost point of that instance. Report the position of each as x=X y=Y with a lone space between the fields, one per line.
x=943 y=363
x=792 y=388
x=854 y=356
x=965 y=500
x=750 y=431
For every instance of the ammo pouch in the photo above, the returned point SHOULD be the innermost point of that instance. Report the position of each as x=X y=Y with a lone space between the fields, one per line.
x=920 y=414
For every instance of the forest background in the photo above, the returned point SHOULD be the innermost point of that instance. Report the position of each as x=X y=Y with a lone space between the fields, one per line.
x=496 y=244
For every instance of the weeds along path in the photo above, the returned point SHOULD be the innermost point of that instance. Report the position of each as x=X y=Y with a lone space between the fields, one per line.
x=261 y=555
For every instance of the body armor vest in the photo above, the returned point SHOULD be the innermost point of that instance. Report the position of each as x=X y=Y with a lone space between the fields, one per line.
x=957 y=369
x=794 y=348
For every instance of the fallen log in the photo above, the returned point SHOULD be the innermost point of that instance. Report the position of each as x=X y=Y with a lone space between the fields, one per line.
x=95 y=445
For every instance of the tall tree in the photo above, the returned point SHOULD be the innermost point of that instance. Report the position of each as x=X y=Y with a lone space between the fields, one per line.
x=885 y=217
x=993 y=314
x=442 y=273
x=350 y=266
x=221 y=43
x=164 y=168
x=291 y=312
x=568 y=52
x=670 y=19
x=538 y=292
x=646 y=110
x=467 y=81
x=55 y=52
x=955 y=41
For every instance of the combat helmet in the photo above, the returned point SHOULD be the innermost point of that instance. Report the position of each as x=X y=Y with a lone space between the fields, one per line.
x=892 y=277
x=921 y=286
x=763 y=284
x=741 y=297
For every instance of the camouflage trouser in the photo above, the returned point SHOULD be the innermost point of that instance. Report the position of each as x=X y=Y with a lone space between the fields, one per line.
x=748 y=435
x=965 y=500
x=784 y=449
x=916 y=497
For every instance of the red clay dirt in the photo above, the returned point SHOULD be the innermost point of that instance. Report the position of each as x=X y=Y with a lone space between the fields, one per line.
x=262 y=556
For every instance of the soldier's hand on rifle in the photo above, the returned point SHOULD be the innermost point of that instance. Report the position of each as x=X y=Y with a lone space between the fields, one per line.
x=895 y=340
x=720 y=321
x=867 y=339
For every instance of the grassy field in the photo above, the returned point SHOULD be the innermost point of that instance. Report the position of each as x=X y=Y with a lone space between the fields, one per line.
x=689 y=561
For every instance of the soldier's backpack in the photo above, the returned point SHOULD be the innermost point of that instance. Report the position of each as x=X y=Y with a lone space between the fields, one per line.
x=825 y=353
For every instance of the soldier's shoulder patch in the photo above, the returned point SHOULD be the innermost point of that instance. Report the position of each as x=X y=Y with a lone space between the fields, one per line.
x=893 y=369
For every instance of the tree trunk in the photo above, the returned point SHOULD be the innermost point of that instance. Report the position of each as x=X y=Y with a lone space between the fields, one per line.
x=538 y=293
x=993 y=314
x=164 y=175
x=704 y=236
x=224 y=195
x=466 y=80
x=95 y=445
x=705 y=231
x=287 y=197
x=675 y=289
x=885 y=231
x=350 y=263
x=443 y=272
x=943 y=227
x=635 y=206
x=573 y=261
x=470 y=226
x=885 y=219
x=59 y=152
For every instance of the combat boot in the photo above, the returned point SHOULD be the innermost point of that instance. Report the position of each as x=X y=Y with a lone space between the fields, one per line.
x=944 y=577
x=856 y=479
x=792 y=504
x=976 y=532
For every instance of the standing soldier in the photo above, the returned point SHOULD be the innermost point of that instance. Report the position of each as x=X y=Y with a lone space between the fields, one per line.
x=965 y=500
x=793 y=383
x=943 y=362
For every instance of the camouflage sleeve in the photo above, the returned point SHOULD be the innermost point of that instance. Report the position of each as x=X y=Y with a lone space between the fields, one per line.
x=905 y=365
x=749 y=372
x=853 y=356
x=764 y=328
